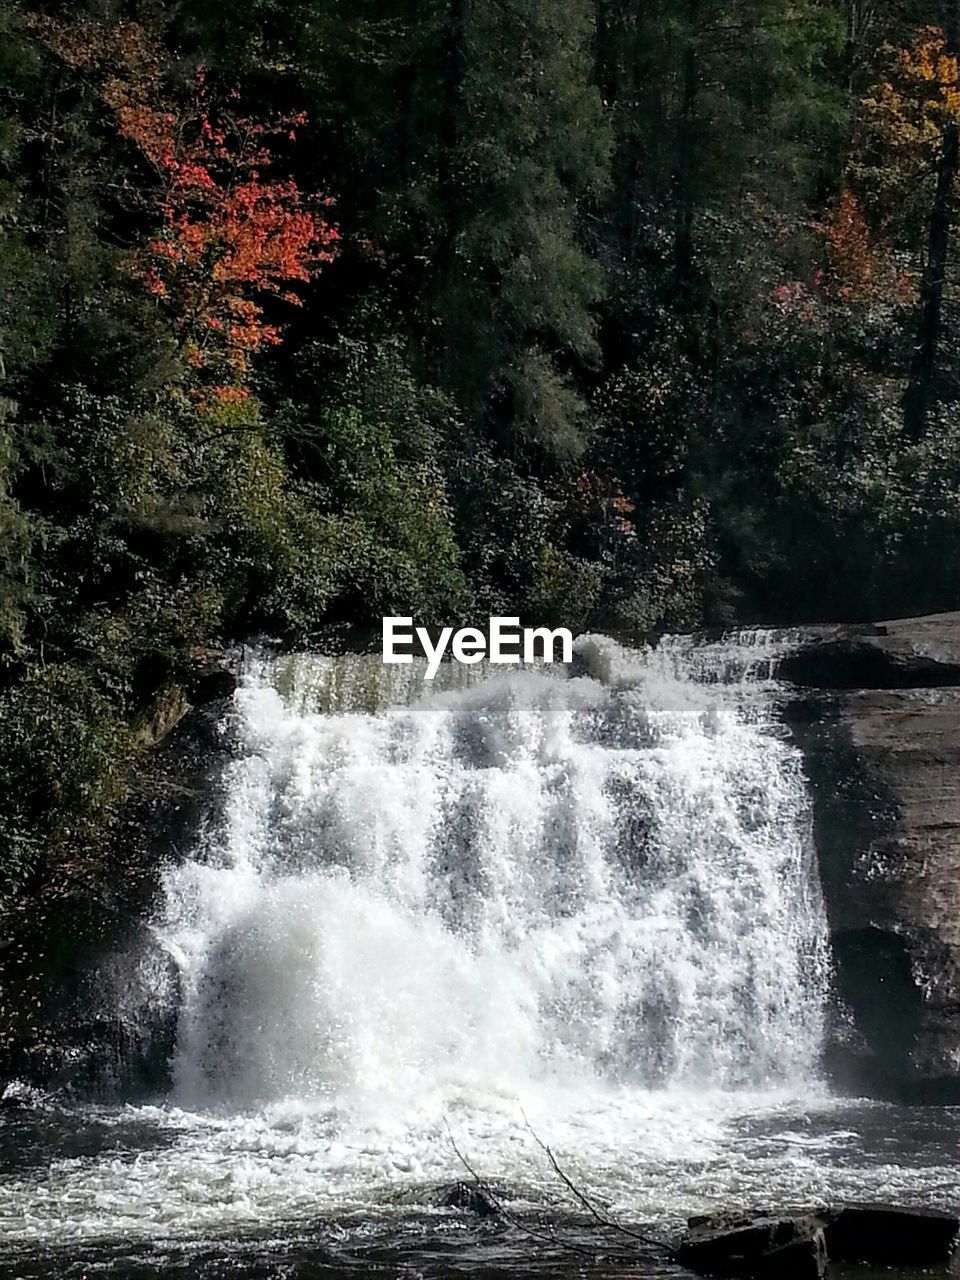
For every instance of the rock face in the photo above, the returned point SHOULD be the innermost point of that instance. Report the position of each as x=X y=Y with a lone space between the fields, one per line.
x=108 y=1027
x=799 y=1245
x=891 y=1237
x=912 y=653
x=782 y=1247
x=876 y=711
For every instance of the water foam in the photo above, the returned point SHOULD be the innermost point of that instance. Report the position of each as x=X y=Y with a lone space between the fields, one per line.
x=519 y=881
x=589 y=901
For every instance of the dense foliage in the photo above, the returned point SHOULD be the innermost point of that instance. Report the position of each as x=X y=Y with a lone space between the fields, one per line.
x=616 y=315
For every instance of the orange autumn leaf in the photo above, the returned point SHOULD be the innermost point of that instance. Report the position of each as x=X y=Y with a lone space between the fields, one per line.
x=853 y=267
x=228 y=234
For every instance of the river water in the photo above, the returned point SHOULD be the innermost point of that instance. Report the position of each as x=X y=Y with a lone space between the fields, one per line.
x=445 y=924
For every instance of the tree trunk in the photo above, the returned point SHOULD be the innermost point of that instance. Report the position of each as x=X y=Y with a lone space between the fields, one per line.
x=453 y=63
x=685 y=179
x=923 y=366
x=407 y=140
x=606 y=53
x=860 y=17
x=452 y=71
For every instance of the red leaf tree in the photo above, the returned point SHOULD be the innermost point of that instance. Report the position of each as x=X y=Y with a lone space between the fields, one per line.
x=228 y=234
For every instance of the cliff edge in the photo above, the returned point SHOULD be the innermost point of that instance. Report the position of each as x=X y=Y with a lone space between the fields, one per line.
x=876 y=711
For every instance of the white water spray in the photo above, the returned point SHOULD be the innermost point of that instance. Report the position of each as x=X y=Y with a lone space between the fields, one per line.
x=513 y=883
x=592 y=898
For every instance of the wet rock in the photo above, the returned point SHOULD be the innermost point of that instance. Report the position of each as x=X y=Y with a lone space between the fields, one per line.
x=858 y=663
x=468 y=1196
x=879 y=726
x=138 y=993
x=210 y=684
x=778 y=1246
x=106 y=1025
x=909 y=653
x=168 y=709
x=889 y=1236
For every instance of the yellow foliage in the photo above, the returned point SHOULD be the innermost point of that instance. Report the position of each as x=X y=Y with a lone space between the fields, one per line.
x=930 y=63
x=923 y=92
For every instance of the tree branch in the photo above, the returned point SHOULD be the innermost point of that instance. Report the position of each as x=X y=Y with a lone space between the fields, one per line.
x=588 y=1204
x=535 y=1234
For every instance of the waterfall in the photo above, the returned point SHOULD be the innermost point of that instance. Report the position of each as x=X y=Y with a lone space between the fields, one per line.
x=576 y=904
x=503 y=882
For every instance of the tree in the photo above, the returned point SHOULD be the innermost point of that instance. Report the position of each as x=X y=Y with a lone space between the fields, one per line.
x=228 y=236
x=726 y=106
x=524 y=151
x=937 y=64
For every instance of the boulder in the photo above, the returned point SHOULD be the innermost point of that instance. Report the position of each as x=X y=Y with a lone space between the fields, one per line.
x=888 y=1236
x=911 y=653
x=469 y=1196
x=779 y=1246
x=16 y=1096
x=797 y=1245
x=876 y=712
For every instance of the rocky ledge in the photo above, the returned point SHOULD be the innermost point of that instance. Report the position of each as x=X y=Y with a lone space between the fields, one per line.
x=876 y=711
x=801 y=1245
x=785 y=1244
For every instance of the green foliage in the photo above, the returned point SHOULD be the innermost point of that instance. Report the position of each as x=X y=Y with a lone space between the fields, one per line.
x=371 y=458
x=14 y=547
x=817 y=537
x=616 y=336
x=78 y=775
x=528 y=144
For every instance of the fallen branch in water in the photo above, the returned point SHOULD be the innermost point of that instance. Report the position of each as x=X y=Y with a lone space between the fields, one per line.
x=481 y=1186
x=541 y=1234
x=605 y=1221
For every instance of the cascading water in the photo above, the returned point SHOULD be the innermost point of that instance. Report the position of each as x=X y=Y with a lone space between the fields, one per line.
x=525 y=879
x=581 y=898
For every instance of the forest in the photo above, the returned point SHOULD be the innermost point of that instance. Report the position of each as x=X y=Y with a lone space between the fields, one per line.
x=634 y=317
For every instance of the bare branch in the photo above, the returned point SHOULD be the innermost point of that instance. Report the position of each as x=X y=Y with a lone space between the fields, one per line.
x=588 y=1204
x=478 y=1181
x=543 y=1234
